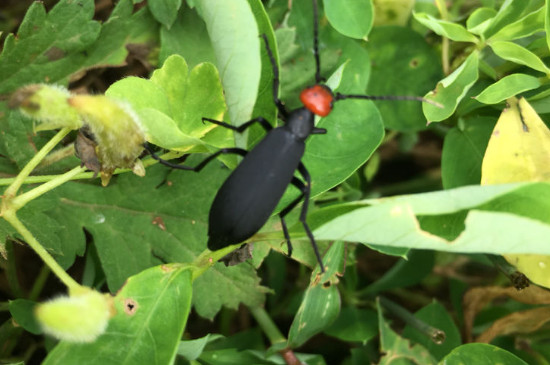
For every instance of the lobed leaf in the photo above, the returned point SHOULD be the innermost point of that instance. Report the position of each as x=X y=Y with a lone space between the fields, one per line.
x=49 y=46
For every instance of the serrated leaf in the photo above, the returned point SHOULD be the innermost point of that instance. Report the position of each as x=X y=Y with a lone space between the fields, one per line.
x=518 y=54
x=131 y=233
x=451 y=90
x=394 y=347
x=151 y=312
x=453 y=31
x=119 y=33
x=507 y=87
x=48 y=47
x=478 y=353
x=352 y=18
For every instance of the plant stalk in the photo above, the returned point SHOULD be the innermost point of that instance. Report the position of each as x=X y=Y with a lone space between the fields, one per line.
x=11 y=191
x=11 y=218
x=435 y=334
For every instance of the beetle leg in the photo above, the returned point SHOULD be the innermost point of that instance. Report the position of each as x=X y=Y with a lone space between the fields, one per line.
x=280 y=105
x=202 y=164
x=305 y=189
x=263 y=122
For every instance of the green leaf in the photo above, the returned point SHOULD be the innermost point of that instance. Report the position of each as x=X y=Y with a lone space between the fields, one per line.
x=393 y=221
x=435 y=315
x=151 y=312
x=48 y=47
x=479 y=20
x=192 y=349
x=451 y=90
x=22 y=311
x=507 y=87
x=264 y=105
x=453 y=31
x=165 y=11
x=131 y=233
x=524 y=27
x=173 y=102
x=321 y=303
x=233 y=33
x=509 y=12
x=405 y=273
x=402 y=64
x=480 y=354
x=354 y=325
x=463 y=151
x=196 y=48
x=395 y=347
x=547 y=23
x=516 y=53
x=352 y=18
x=123 y=30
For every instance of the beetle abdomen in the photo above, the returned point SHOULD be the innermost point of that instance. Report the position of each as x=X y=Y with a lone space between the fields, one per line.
x=250 y=194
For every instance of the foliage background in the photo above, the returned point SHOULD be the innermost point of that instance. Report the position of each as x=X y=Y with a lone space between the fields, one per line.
x=104 y=235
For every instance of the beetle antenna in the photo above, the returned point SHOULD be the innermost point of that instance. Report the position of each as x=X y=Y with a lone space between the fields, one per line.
x=318 y=77
x=339 y=96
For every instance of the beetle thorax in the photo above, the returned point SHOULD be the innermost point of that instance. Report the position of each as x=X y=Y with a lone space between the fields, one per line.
x=300 y=122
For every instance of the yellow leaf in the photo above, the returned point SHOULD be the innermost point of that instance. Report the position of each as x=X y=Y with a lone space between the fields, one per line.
x=519 y=150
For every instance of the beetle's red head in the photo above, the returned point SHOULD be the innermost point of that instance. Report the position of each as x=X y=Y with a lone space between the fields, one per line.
x=318 y=100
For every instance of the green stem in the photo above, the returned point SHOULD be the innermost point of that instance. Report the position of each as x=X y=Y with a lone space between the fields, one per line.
x=81 y=176
x=20 y=179
x=10 y=217
x=19 y=201
x=39 y=282
x=11 y=271
x=267 y=325
x=435 y=334
x=518 y=279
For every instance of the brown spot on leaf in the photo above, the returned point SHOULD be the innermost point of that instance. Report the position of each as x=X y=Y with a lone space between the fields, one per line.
x=130 y=306
x=158 y=221
x=54 y=53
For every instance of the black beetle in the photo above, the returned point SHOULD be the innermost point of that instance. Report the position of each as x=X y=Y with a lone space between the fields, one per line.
x=248 y=197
